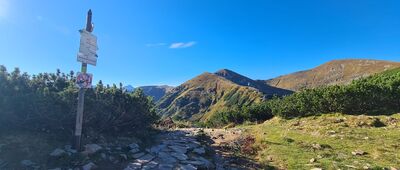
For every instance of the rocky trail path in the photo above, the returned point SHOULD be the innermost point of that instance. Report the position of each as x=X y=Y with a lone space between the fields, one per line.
x=177 y=149
x=191 y=149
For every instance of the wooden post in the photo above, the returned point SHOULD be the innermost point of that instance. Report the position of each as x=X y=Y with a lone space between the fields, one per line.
x=81 y=94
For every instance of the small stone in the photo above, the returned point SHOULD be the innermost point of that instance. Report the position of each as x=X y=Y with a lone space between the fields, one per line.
x=133 y=146
x=89 y=166
x=138 y=155
x=179 y=156
x=270 y=158
x=145 y=158
x=316 y=169
x=316 y=146
x=103 y=156
x=150 y=165
x=199 y=151
x=92 y=148
x=27 y=163
x=165 y=167
x=393 y=168
x=134 y=166
x=135 y=150
x=187 y=167
x=312 y=160
x=57 y=152
x=56 y=169
x=358 y=153
x=179 y=149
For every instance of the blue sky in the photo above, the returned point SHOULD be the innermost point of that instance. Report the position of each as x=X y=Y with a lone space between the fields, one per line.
x=152 y=42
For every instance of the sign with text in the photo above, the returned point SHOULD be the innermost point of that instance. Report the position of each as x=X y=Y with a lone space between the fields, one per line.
x=88 y=48
x=84 y=80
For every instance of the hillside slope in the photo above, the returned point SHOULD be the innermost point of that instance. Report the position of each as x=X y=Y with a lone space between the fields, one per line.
x=207 y=93
x=157 y=92
x=330 y=73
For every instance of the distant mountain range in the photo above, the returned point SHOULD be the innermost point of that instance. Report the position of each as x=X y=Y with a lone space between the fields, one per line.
x=153 y=91
x=331 y=73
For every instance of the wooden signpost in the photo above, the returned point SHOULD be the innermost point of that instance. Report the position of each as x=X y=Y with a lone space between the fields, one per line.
x=86 y=55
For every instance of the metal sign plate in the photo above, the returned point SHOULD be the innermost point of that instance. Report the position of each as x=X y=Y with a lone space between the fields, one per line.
x=84 y=80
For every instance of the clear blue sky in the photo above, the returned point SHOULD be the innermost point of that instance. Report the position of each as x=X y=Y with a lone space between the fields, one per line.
x=151 y=42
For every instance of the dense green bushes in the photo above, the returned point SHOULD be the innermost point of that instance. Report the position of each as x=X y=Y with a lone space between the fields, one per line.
x=378 y=94
x=47 y=102
x=374 y=95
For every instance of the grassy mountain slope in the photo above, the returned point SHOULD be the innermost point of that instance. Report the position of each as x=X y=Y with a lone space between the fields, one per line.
x=333 y=72
x=328 y=141
x=201 y=96
x=157 y=92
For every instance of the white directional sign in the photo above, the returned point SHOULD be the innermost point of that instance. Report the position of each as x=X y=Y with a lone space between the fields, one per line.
x=88 y=47
x=84 y=80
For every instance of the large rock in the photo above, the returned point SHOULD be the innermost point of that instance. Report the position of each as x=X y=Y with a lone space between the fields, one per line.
x=92 y=148
x=145 y=159
x=179 y=156
x=133 y=166
x=179 y=149
x=89 y=166
x=57 y=152
x=187 y=167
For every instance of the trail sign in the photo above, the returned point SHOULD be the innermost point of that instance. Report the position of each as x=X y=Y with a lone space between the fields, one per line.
x=88 y=47
x=84 y=80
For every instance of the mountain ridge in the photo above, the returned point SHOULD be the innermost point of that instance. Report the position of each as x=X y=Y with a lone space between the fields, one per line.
x=331 y=73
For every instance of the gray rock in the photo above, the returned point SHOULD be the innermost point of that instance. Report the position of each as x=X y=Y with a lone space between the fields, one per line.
x=199 y=151
x=92 y=148
x=57 y=152
x=133 y=146
x=187 y=167
x=157 y=149
x=197 y=163
x=133 y=166
x=150 y=165
x=55 y=169
x=165 y=167
x=135 y=150
x=69 y=149
x=138 y=155
x=179 y=156
x=27 y=163
x=103 y=156
x=358 y=153
x=89 y=166
x=166 y=158
x=179 y=149
x=145 y=159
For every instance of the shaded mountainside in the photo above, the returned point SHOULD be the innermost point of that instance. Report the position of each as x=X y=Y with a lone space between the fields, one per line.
x=245 y=81
x=157 y=92
x=331 y=73
x=200 y=97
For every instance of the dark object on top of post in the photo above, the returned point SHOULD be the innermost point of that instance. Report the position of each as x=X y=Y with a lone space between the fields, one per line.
x=89 y=26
